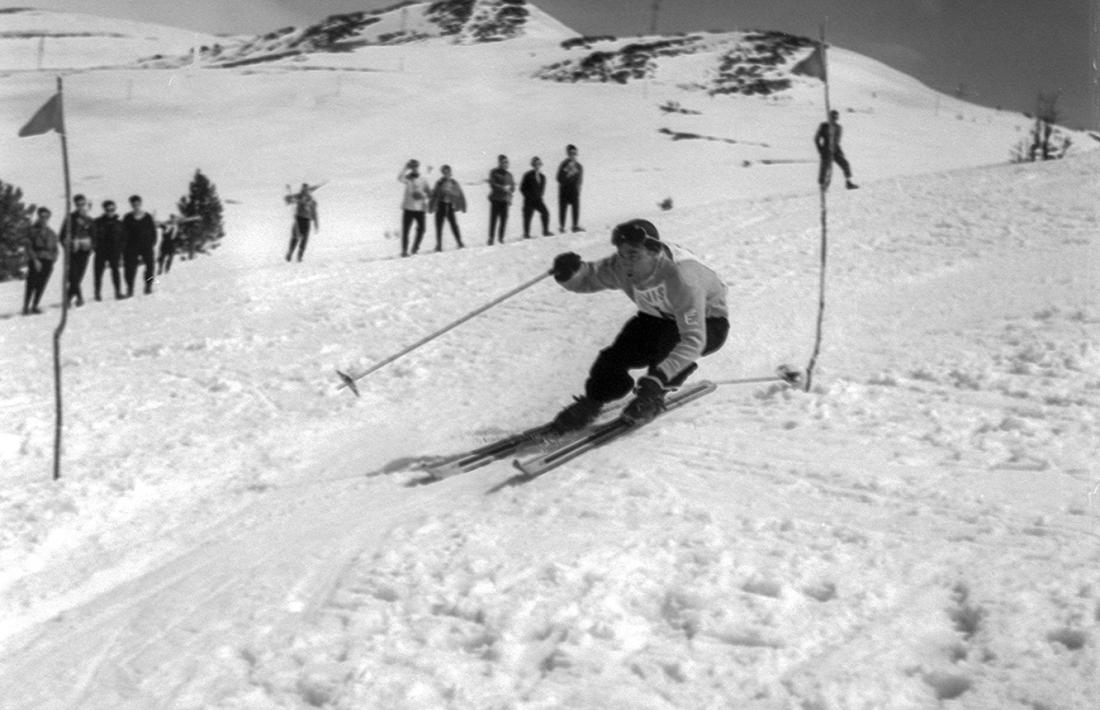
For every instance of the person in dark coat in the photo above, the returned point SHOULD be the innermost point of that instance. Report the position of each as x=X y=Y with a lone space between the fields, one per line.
x=501 y=188
x=140 y=240
x=533 y=187
x=107 y=240
x=42 y=251
x=76 y=235
x=570 y=177
x=827 y=140
x=169 y=240
x=446 y=199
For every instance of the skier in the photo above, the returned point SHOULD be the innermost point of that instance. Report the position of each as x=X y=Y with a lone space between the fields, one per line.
x=682 y=316
x=827 y=140
x=305 y=215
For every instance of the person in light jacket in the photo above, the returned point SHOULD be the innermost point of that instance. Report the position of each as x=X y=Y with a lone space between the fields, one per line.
x=41 y=244
x=413 y=205
x=446 y=199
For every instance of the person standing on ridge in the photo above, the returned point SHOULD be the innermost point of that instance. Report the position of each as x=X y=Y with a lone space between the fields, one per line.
x=305 y=216
x=42 y=251
x=501 y=188
x=447 y=199
x=570 y=176
x=827 y=140
x=682 y=316
x=107 y=245
x=140 y=240
x=76 y=235
x=532 y=187
x=413 y=205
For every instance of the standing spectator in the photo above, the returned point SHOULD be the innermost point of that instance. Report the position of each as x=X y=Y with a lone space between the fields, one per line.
x=501 y=188
x=139 y=240
x=827 y=140
x=42 y=251
x=305 y=216
x=169 y=240
x=533 y=187
x=413 y=205
x=76 y=235
x=446 y=199
x=107 y=244
x=570 y=176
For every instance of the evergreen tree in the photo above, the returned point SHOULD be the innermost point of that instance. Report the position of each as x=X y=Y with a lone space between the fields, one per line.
x=205 y=234
x=15 y=217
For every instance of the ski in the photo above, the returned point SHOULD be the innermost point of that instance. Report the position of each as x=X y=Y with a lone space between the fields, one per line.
x=484 y=455
x=600 y=435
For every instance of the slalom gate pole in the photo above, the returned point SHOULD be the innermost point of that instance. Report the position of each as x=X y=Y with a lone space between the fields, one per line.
x=349 y=381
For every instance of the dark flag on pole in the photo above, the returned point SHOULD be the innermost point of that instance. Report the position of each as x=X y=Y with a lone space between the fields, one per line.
x=813 y=65
x=49 y=118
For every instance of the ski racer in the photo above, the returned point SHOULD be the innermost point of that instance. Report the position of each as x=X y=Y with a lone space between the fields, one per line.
x=682 y=316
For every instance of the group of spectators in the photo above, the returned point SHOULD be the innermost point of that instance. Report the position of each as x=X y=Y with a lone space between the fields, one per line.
x=445 y=199
x=119 y=246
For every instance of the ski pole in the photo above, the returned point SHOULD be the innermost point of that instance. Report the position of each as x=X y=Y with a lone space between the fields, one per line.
x=783 y=373
x=349 y=381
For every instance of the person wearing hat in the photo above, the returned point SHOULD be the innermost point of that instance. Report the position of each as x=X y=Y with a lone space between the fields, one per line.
x=682 y=316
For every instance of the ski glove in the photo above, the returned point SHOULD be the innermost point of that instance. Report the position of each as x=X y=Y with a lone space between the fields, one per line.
x=565 y=266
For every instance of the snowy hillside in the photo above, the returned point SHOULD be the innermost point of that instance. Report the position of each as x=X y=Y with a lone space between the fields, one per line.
x=922 y=530
x=38 y=39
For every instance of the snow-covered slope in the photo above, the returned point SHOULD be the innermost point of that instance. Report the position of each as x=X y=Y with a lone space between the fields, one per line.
x=919 y=531
x=39 y=39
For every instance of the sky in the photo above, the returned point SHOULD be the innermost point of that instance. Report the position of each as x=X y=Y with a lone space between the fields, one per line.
x=999 y=53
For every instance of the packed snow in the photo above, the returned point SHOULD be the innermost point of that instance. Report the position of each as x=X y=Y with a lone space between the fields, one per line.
x=920 y=530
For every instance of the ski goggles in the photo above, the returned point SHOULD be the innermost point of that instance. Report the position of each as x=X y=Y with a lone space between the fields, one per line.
x=633 y=235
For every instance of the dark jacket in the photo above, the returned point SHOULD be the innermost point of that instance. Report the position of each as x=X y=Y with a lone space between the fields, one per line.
x=139 y=234
x=532 y=186
x=447 y=191
x=821 y=138
x=501 y=185
x=107 y=237
x=79 y=226
x=570 y=174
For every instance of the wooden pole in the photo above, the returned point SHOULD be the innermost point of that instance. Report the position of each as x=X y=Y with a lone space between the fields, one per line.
x=67 y=254
x=824 y=228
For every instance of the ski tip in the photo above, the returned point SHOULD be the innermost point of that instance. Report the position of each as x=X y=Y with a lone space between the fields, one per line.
x=347 y=381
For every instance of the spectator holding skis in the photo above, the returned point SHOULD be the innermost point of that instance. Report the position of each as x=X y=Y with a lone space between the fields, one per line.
x=305 y=216
x=76 y=236
x=446 y=199
x=570 y=177
x=533 y=187
x=42 y=251
x=682 y=316
x=139 y=240
x=107 y=246
x=413 y=205
x=827 y=140
x=501 y=188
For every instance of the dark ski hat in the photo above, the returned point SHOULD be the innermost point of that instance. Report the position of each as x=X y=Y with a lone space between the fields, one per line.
x=637 y=232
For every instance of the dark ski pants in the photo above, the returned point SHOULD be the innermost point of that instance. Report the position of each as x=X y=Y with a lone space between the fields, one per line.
x=299 y=236
x=826 y=166
x=644 y=341
x=568 y=197
x=130 y=267
x=36 y=283
x=408 y=219
x=530 y=207
x=446 y=211
x=78 y=266
x=104 y=260
x=498 y=215
x=164 y=261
